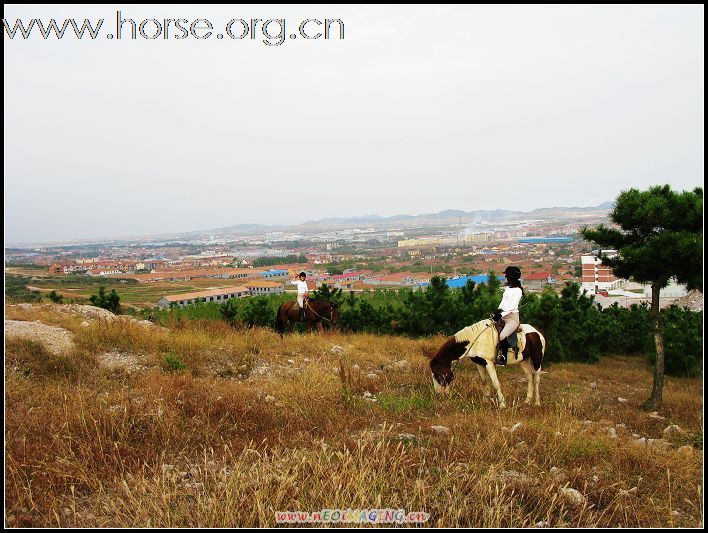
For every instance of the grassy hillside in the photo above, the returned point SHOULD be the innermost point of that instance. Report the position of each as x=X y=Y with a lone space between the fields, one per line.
x=208 y=426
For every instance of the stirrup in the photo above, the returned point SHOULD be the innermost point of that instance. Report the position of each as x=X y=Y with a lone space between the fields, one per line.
x=500 y=360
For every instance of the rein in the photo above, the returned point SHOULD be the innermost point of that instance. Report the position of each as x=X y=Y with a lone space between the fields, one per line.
x=308 y=306
x=477 y=337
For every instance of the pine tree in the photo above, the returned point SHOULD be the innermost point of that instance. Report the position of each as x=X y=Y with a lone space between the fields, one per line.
x=660 y=237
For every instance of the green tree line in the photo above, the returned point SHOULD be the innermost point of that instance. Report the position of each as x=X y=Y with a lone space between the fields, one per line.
x=574 y=326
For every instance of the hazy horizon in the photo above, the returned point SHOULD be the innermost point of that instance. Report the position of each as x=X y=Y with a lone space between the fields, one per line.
x=417 y=110
x=285 y=225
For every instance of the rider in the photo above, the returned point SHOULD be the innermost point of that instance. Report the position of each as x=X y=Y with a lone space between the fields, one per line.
x=509 y=311
x=301 y=293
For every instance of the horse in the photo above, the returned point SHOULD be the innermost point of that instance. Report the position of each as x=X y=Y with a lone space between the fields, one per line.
x=315 y=312
x=479 y=343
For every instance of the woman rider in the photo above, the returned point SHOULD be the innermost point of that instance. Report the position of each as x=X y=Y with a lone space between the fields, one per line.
x=509 y=312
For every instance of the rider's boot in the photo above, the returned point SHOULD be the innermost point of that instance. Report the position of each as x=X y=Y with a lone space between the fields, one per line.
x=503 y=349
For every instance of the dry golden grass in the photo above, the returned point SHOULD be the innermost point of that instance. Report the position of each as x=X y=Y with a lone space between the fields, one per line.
x=254 y=424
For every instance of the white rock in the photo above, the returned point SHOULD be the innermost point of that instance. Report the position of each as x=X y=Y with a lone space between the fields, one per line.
x=612 y=433
x=406 y=437
x=515 y=426
x=673 y=430
x=572 y=496
x=661 y=444
x=622 y=400
x=440 y=430
x=336 y=349
x=269 y=399
x=372 y=376
x=367 y=394
x=686 y=449
x=656 y=416
x=543 y=523
x=621 y=426
x=402 y=365
x=291 y=361
x=640 y=442
x=507 y=476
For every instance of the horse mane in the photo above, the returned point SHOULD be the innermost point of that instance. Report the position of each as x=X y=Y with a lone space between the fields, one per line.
x=449 y=351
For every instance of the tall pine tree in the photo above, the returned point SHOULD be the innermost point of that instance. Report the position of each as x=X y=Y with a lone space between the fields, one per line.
x=659 y=237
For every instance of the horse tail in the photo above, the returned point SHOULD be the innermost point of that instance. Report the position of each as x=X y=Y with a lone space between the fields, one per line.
x=279 y=323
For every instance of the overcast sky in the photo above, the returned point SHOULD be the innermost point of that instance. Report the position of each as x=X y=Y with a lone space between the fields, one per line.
x=416 y=110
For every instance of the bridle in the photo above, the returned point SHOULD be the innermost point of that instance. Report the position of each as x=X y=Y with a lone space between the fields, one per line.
x=331 y=312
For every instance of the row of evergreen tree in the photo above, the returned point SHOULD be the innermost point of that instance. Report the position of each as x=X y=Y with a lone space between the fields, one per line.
x=576 y=328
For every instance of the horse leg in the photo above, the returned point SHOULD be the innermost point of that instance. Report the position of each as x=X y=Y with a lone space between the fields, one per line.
x=485 y=381
x=537 y=381
x=528 y=371
x=495 y=381
x=320 y=327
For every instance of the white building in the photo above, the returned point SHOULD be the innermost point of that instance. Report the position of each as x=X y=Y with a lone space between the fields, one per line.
x=213 y=295
x=596 y=276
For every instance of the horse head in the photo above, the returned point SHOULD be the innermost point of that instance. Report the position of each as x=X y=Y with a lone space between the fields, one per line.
x=441 y=364
x=334 y=314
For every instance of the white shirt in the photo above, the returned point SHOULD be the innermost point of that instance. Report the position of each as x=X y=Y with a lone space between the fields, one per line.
x=301 y=286
x=510 y=300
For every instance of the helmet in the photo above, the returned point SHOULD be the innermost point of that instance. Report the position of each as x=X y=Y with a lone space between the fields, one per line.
x=513 y=273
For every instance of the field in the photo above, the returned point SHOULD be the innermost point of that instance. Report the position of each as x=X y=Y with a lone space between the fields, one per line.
x=208 y=426
x=137 y=295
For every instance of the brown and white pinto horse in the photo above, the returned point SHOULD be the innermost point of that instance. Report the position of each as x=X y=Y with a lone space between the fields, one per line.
x=479 y=343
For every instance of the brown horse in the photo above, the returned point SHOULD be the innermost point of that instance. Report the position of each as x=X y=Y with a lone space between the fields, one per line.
x=315 y=312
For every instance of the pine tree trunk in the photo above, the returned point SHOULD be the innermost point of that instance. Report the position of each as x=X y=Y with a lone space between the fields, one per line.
x=654 y=400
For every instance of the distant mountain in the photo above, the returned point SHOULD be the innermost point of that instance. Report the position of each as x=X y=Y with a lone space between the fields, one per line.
x=453 y=215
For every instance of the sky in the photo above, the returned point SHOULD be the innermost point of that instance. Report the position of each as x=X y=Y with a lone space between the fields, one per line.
x=416 y=110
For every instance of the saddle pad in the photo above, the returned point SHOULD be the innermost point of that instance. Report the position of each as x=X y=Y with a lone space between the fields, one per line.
x=523 y=330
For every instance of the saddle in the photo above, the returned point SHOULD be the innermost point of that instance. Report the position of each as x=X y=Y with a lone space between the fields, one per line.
x=519 y=339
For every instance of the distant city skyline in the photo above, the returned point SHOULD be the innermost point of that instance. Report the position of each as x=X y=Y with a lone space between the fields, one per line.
x=417 y=109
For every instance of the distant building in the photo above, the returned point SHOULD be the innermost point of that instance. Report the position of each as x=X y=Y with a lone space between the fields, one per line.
x=188 y=274
x=263 y=288
x=95 y=272
x=537 y=280
x=275 y=275
x=457 y=283
x=596 y=276
x=213 y=295
x=545 y=240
